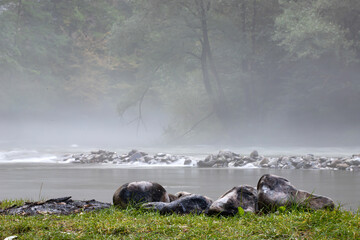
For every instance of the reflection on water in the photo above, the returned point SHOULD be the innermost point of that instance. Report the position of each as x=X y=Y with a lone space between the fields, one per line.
x=49 y=181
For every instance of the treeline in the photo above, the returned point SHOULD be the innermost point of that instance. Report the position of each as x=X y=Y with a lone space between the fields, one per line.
x=230 y=67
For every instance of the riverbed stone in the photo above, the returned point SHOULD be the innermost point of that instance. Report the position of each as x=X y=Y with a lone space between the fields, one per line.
x=220 y=160
x=254 y=154
x=342 y=166
x=335 y=162
x=187 y=162
x=354 y=161
x=273 y=162
x=206 y=163
x=275 y=191
x=243 y=196
x=139 y=192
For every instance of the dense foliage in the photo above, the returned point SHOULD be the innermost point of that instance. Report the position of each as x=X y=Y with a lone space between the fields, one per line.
x=237 y=67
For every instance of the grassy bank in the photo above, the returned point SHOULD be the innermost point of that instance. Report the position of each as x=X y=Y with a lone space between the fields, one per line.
x=136 y=224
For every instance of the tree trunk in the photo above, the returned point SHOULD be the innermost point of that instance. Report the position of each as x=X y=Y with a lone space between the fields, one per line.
x=17 y=22
x=207 y=63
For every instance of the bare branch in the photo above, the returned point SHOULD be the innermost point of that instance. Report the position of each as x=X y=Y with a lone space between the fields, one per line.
x=140 y=119
x=197 y=124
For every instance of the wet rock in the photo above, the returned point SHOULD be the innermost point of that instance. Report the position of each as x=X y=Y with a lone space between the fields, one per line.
x=354 y=168
x=354 y=161
x=226 y=155
x=275 y=191
x=254 y=154
x=160 y=155
x=147 y=159
x=273 y=163
x=209 y=158
x=139 y=192
x=221 y=164
x=136 y=156
x=334 y=163
x=297 y=162
x=239 y=162
x=187 y=162
x=206 y=164
x=220 y=160
x=58 y=206
x=249 y=160
x=342 y=166
x=187 y=204
x=241 y=196
x=308 y=165
x=264 y=161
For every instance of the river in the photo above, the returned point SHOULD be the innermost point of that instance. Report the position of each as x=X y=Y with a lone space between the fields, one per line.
x=41 y=181
x=41 y=177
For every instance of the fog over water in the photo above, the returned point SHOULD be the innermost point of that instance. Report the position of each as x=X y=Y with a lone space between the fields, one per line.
x=108 y=130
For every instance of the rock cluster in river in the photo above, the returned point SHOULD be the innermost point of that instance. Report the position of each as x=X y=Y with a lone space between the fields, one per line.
x=222 y=159
x=132 y=157
x=231 y=159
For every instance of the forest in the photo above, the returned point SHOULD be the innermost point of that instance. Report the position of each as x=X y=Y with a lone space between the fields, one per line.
x=200 y=71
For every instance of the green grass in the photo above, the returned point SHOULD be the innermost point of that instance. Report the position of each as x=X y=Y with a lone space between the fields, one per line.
x=131 y=223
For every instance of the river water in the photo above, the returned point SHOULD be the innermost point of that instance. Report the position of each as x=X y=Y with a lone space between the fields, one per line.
x=30 y=175
x=40 y=181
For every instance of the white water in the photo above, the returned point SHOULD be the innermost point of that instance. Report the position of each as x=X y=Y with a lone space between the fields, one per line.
x=56 y=154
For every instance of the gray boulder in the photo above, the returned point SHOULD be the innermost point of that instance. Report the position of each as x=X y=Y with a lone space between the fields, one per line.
x=275 y=191
x=254 y=154
x=135 y=193
x=241 y=196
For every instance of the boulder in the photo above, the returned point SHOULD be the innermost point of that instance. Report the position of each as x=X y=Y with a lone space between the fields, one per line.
x=135 y=156
x=254 y=154
x=241 y=196
x=187 y=162
x=275 y=191
x=206 y=164
x=264 y=162
x=355 y=161
x=335 y=162
x=342 y=166
x=139 y=192
x=188 y=204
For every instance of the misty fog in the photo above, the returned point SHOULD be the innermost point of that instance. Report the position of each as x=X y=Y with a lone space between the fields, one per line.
x=150 y=73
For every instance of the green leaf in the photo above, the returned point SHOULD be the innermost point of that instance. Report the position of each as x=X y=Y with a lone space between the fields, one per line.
x=282 y=209
x=241 y=211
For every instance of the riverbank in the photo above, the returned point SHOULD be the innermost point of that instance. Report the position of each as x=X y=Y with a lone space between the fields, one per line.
x=114 y=223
